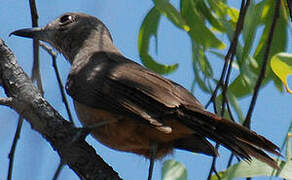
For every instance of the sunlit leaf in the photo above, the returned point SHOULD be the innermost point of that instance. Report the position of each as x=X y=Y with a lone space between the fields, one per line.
x=171 y=13
x=255 y=168
x=199 y=32
x=281 y=65
x=251 y=23
x=249 y=70
x=207 y=12
x=280 y=35
x=221 y=9
x=278 y=83
x=287 y=142
x=173 y=170
x=147 y=30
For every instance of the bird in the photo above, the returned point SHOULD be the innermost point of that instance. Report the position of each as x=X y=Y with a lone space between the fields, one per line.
x=132 y=108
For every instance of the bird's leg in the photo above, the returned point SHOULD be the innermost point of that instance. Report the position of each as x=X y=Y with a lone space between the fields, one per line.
x=101 y=123
x=84 y=131
x=153 y=150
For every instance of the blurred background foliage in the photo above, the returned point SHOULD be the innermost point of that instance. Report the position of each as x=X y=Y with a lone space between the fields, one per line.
x=210 y=26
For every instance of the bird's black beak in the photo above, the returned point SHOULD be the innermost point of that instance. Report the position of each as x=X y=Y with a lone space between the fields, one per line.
x=33 y=33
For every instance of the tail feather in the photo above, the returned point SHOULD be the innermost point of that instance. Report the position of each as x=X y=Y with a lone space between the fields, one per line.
x=259 y=154
x=240 y=140
x=191 y=144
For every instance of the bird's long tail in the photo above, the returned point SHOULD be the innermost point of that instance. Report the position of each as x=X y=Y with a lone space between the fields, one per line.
x=240 y=140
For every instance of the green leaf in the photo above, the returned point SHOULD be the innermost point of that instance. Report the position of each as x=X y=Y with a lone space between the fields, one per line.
x=281 y=65
x=242 y=86
x=199 y=32
x=147 y=30
x=288 y=146
x=280 y=35
x=212 y=19
x=255 y=168
x=171 y=13
x=277 y=82
x=222 y=56
x=251 y=23
x=249 y=70
x=234 y=103
x=221 y=10
x=199 y=56
x=201 y=64
x=173 y=170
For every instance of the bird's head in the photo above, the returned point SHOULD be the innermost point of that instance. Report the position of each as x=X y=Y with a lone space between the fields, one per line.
x=70 y=32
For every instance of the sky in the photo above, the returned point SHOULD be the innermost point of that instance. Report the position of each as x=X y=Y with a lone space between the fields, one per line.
x=35 y=159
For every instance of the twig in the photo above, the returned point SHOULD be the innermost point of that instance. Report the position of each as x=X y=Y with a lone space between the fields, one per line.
x=229 y=111
x=36 y=75
x=262 y=75
x=213 y=167
x=227 y=68
x=230 y=160
x=58 y=170
x=13 y=147
x=64 y=99
x=232 y=48
x=232 y=119
x=225 y=85
x=61 y=86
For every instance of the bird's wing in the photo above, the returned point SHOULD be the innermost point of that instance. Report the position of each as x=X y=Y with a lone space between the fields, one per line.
x=110 y=81
x=114 y=83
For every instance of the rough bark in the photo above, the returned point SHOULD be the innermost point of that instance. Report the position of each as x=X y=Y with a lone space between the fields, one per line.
x=26 y=99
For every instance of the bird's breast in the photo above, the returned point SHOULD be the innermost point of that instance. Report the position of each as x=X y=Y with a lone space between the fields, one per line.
x=126 y=134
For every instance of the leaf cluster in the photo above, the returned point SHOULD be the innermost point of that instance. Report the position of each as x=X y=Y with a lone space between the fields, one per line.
x=210 y=26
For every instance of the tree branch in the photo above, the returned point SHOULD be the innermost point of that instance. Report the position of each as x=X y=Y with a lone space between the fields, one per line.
x=61 y=134
x=226 y=71
x=13 y=147
x=61 y=86
x=262 y=74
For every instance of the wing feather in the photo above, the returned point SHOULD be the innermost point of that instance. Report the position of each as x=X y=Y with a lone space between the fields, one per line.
x=114 y=83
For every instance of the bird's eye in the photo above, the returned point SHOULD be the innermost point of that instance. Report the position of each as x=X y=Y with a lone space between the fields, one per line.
x=66 y=19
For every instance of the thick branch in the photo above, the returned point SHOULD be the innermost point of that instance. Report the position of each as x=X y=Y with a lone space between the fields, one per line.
x=61 y=134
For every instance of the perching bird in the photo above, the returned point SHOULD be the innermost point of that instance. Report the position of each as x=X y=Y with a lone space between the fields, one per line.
x=138 y=110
